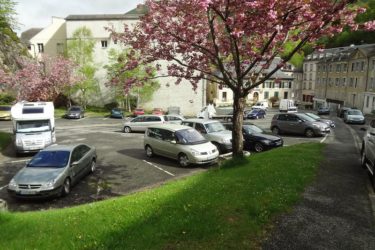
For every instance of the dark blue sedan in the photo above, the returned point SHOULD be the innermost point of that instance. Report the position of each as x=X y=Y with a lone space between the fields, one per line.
x=256 y=114
x=117 y=113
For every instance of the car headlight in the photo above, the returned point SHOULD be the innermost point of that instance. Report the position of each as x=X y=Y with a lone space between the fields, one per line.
x=318 y=126
x=267 y=142
x=18 y=142
x=12 y=184
x=50 y=183
x=226 y=140
x=194 y=152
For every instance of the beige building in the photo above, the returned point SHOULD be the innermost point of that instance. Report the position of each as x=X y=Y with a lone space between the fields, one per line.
x=344 y=77
x=53 y=39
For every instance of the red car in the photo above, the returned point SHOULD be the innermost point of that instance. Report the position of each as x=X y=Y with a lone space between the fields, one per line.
x=138 y=111
x=157 y=111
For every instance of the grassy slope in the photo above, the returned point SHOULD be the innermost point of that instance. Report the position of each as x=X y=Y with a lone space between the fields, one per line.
x=218 y=209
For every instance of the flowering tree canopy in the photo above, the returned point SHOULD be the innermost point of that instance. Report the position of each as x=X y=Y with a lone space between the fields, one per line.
x=41 y=81
x=231 y=42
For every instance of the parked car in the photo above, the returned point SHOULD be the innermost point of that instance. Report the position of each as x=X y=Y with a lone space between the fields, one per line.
x=138 y=111
x=260 y=105
x=5 y=112
x=323 y=111
x=256 y=139
x=181 y=143
x=53 y=171
x=368 y=151
x=354 y=116
x=341 y=111
x=319 y=119
x=213 y=131
x=255 y=114
x=76 y=112
x=298 y=123
x=117 y=113
x=142 y=122
x=158 y=111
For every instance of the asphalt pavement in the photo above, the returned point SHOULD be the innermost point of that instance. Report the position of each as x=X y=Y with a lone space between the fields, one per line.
x=336 y=210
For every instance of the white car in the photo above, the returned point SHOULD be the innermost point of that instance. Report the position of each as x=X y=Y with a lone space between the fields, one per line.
x=142 y=122
x=354 y=116
x=181 y=143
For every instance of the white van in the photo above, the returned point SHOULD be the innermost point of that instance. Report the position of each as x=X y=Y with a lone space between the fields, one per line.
x=33 y=126
x=287 y=105
x=261 y=105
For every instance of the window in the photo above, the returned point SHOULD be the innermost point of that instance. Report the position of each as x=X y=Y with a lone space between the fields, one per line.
x=362 y=66
x=367 y=101
x=266 y=95
x=337 y=81
x=351 y=81
x=200 y=128
x=60 y=48
x=285 y=95
x=353 y=66
x=345 y=67
x=276 y=94
x=40 y=47
x=152 y=119
x=343 y=80
x=224 y=96
x=356 y=82
x=104 y=43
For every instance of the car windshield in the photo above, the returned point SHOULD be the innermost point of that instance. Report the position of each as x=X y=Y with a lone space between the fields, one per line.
x=252 y=129
x=306 y=118
x=49 y=159
x=214 y=127
x=33 y=126
x=313 y=116
x=254 y=111
x=354 y=112
x=75 y=109
x=189 y=136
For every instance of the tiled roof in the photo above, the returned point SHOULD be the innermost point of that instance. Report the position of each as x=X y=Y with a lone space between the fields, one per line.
x=28 y=34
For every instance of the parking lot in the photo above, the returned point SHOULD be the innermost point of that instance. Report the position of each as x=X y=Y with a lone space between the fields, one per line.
x=122 y=165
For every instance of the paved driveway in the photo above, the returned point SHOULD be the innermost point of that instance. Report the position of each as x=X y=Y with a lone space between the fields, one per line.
x=122 y=165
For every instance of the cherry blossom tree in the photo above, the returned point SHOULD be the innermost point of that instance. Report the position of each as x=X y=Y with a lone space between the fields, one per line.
x=41 y=81
x=232 y=42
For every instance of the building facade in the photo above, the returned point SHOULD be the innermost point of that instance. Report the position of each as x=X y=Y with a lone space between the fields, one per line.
x=53 y=40
x=345 y=77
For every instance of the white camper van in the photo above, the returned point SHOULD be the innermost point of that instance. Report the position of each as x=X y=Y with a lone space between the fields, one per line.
x=33 y=126
x=287 y=105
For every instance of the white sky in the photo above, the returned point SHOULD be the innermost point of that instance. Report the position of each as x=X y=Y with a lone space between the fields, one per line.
x=38 y=13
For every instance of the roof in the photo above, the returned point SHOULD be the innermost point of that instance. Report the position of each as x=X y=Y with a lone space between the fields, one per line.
x=61 y=147
x=170 y=126
x=133 y=14
x=27 y=35
x=199 y=120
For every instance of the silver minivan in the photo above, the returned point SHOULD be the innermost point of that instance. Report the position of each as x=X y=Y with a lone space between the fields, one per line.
x=181 y=143
x=142 y=122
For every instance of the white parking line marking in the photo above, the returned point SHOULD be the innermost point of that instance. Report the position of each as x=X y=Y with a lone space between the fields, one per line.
x=322 y=140
x=1 y=188
x=165 y=171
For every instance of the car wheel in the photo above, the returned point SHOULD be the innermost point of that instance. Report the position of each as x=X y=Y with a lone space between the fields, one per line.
x=258 y=147
x=93 y=166
x=275 y=131
x=127 y=130
x=66 y=187
x=149 y=151
x=309 y=133
x=183 y=160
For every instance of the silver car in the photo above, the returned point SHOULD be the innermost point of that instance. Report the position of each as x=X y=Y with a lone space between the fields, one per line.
x=319 y=119
x=213 y=131
x=298 y=123
x=53 y=170
x=142 y=122
x=354 y=116
x=181 y=143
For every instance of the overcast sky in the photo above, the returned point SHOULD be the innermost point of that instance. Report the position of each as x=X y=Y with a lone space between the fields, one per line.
x=38 y=13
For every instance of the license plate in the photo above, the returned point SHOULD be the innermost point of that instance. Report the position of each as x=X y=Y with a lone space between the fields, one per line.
x=27 y=192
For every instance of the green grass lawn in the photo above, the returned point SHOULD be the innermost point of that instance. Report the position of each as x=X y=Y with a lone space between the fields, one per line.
x=5 y=139
x=227 y=208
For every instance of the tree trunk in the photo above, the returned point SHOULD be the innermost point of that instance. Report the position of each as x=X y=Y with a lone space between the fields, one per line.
x=238 y=109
